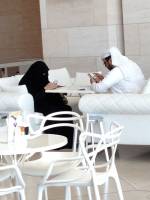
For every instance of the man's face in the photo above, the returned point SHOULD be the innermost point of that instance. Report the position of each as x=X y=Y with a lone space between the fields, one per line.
x=108 y=64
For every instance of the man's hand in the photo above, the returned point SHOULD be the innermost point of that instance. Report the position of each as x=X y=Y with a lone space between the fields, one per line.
x=98 y=77
x=51 y=86
x=91 y=76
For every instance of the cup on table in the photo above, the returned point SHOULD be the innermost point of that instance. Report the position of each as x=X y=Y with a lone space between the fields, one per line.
x=37 y=119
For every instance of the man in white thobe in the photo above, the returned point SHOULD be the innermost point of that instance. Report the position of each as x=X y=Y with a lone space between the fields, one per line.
x=124 y=75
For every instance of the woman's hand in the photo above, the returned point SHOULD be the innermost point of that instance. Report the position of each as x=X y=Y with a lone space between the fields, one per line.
x=51 y=86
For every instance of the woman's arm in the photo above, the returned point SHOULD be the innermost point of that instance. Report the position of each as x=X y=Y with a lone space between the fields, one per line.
x=51 y=86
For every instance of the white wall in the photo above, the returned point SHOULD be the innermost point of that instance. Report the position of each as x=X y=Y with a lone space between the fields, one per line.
x=136 y=17
x=76 y=32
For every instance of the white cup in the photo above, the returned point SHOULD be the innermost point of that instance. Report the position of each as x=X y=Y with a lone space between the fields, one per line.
x=38 y=118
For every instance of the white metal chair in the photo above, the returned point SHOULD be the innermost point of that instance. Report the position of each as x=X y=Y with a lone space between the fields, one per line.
x=108 y=169
x=95 y=124
x=8 y=171
x=85 y=175
x=39 y=166
x=63 y=119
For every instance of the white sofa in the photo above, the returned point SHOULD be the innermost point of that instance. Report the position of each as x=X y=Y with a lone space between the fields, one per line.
x=14 y=97
x=130 y=110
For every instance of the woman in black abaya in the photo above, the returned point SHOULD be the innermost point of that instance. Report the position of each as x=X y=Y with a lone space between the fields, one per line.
x=36 y=81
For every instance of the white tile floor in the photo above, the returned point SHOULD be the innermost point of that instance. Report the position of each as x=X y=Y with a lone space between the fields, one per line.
x=133 y=166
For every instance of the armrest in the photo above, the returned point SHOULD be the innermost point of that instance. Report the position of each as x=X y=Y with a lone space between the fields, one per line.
x=26 y=102
x=115 y=103
x=16 y=101
x=21 y=89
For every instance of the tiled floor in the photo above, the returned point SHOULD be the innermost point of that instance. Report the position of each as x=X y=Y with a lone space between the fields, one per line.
x=133 y=164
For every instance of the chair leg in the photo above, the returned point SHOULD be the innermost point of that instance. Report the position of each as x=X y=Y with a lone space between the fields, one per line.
x=40 y=193
x=67 y=193
x=106 y=186
x=120 y=193
x=14 y=181
x=89 y=193
x=118 y=185
x=79 y=193
x=97 y=194
x=45 y=194
x=22 y=194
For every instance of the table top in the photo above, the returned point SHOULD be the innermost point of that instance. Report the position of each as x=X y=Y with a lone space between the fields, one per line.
x=73 y=89
x=27 y=145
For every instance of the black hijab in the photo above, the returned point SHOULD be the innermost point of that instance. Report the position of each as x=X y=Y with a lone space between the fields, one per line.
x=36 y=78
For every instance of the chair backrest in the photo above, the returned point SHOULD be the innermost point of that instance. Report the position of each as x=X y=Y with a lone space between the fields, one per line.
x=60 y=75
x=60 y=119
x=82 y=79
x=102 y=142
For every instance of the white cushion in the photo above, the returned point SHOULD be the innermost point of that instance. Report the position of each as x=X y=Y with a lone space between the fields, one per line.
x=7 y=81
x=15 y=101
x=10 y=81
x=60 y=75
x=9 y=101
x=21 y=89
x=115 y=103
x=18 y=77
x=146 y=89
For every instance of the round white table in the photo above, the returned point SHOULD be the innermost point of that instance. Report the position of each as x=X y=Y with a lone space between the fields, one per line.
x=44 y=142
